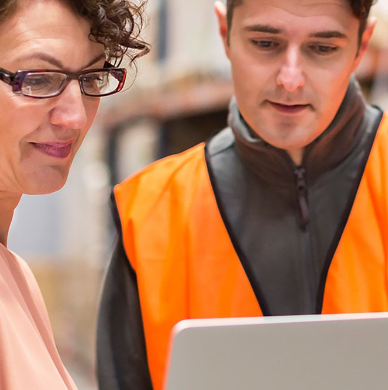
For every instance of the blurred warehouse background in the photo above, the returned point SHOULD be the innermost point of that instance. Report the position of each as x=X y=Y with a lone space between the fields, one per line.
x=179 y=98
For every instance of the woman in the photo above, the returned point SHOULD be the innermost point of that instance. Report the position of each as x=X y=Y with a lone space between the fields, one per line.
x=53 y=71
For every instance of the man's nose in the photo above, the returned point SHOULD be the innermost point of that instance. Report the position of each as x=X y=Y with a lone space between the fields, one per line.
x=70 y=108
x=291 y=75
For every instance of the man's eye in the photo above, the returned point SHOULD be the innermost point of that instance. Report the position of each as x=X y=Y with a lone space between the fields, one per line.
x=324 y=49
x=265 y=45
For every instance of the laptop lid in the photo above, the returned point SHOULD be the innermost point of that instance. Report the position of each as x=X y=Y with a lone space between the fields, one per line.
x=314 y=352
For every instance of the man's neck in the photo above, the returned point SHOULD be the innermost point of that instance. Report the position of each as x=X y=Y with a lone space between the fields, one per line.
x=296 y=156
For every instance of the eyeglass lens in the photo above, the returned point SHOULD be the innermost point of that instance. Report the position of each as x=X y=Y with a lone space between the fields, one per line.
x=45 y=84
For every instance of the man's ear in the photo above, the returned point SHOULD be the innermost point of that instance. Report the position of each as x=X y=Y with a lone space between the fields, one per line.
x=365 y=40
x=220 y=10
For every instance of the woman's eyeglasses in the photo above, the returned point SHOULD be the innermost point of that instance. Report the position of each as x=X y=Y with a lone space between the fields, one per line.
x=43 y=83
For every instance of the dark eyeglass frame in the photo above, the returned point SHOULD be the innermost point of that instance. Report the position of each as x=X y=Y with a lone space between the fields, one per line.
x=16 y=80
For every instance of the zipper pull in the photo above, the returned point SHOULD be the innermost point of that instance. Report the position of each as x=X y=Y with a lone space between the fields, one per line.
x=302 y=196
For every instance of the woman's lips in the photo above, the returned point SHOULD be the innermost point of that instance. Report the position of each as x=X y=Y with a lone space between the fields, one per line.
x=54 y=149
x=289 y=108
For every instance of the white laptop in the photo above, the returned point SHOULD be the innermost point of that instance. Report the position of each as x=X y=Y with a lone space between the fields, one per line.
x=315 y=352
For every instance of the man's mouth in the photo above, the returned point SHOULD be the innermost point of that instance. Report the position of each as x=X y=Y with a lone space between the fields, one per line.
x=289 y=108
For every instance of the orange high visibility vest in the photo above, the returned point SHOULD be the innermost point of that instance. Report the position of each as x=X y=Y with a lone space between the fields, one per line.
x=187 y=267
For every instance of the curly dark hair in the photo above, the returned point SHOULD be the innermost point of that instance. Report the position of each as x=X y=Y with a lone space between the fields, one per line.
x=116 y=24
x=361 y=9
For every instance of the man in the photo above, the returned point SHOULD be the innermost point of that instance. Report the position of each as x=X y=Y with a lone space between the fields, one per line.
x=284 y=212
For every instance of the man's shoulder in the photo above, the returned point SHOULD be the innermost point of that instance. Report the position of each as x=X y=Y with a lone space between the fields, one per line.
x=165 y=169
x=169 y=182
x=382 y=126
x=186 y=160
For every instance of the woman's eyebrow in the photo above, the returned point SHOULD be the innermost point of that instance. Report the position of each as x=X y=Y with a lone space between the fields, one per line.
x=54 y=61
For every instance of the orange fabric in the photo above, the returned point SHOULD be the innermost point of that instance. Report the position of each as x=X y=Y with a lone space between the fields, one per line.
x=28 y=356
x=357 y=279
x=186 y=265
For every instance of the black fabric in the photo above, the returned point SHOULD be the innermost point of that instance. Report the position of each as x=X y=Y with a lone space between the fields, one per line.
x=121 y=353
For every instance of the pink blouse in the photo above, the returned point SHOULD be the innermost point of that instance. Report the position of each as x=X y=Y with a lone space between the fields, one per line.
x=28 y=356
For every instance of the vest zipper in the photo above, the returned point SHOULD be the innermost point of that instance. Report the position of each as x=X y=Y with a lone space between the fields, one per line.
x=302 y=196
x=304 y=219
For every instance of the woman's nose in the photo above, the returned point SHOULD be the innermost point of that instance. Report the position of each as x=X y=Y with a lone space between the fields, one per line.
x=70 y=108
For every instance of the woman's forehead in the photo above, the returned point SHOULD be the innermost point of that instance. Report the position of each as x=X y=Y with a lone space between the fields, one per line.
x=47 y=26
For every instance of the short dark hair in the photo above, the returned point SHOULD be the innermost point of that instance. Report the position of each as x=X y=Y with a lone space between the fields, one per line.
x=361 y=9
x=116 y=24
